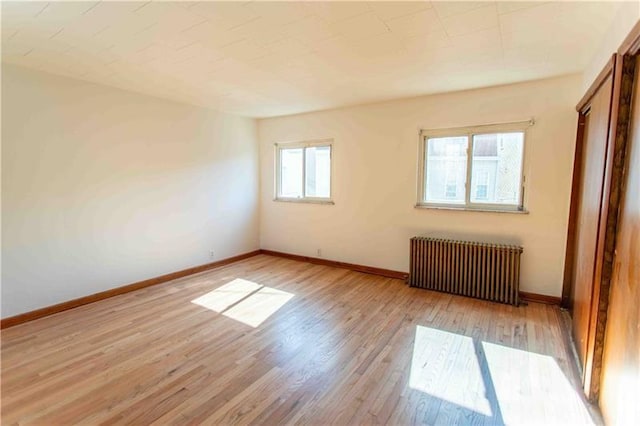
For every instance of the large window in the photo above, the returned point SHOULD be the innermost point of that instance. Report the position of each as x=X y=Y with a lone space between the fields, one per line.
x=473 y=168
x=303 y=172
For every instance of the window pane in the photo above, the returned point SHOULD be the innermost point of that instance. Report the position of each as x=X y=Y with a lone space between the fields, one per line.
x=318 y=171
x=291 y=173
x=497 y=168
x=446 y=170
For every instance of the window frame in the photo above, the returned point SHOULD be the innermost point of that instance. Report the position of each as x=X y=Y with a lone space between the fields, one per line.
x=278 y=171
x=469 y=132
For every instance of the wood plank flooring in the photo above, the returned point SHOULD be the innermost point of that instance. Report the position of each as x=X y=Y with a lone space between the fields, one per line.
x=273 y=341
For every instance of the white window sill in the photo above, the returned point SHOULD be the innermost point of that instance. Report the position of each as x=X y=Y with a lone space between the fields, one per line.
x=469 y=209
x=304 y=200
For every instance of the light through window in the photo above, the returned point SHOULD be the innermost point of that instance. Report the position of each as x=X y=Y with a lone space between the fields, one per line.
x=473 y=168
x=317 y=177
x=303 y=172
x=497 y=168
x=291 y=172
x=446 y=169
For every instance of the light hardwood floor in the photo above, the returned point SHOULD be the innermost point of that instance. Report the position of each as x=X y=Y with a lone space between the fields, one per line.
x=270 y=341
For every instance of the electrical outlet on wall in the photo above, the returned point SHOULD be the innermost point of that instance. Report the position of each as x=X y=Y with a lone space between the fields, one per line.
x=319 y=252
x=211 y=255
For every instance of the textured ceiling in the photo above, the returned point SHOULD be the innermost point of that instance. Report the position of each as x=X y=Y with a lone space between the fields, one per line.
x=264 y=59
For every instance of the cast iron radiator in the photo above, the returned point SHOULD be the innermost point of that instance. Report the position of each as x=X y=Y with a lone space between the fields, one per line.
x=480 y=270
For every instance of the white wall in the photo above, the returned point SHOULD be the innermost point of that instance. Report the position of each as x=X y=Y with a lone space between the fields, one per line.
x=103 y=187
x=626 y=17
x=375 y=155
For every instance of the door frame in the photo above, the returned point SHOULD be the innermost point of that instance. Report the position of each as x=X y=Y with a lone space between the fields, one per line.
x=577 y=178
x=622 y=67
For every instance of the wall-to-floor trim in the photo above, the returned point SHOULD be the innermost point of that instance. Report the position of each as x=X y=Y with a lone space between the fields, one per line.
x=54 y=309
x=540 y=298
x=336 y=264
x=526 y=296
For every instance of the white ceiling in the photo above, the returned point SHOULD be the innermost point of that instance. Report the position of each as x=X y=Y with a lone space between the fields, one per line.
x=264 y=59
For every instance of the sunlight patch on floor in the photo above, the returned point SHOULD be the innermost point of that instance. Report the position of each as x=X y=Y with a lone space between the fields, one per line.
x=221 y=298
x=244 y=301
x=501 y=384
x=259 y=306
x=444 y=365
x=532 y=383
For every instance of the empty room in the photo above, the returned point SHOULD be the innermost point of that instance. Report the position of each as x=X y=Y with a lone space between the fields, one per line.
x=320 y=212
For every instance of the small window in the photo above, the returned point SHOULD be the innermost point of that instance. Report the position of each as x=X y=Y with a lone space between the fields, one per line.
x=473 y=168
x=303 y=172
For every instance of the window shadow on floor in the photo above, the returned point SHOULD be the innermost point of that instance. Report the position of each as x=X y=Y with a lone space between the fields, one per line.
x=474 y=381
x=245 y=301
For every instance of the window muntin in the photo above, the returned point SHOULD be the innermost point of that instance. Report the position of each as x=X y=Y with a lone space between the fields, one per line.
x=303 y=171
x=473 y=168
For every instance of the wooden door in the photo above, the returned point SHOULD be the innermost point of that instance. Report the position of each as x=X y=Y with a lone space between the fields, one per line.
x=621 y=359
x=588 y=215
x=593 y=241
